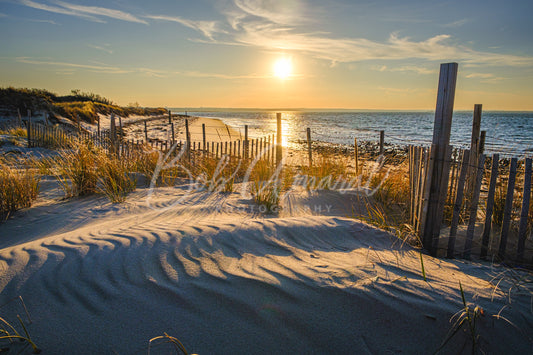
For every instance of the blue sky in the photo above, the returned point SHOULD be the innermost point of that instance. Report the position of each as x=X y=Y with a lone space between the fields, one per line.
x=344 y=54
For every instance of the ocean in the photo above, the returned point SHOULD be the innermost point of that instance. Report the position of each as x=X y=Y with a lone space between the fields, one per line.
x=508 y=133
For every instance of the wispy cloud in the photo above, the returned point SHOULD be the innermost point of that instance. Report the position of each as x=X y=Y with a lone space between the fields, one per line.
x=44 y=21
x=67 y=68
x=456 y=24
x=255 y=23
x=91 y=13
x=103 y=48
x=102 y=11
x=408 y=68
x=196 y=74
x=207 y=28
x=487 y=78
x=65 y=65
x=58 y=10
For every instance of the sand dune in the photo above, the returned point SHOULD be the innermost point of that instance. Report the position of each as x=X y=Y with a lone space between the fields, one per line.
x=223 y=278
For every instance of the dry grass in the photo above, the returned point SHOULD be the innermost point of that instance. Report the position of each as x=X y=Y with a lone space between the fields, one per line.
x=325 y=172
x=18 y=189
x=114 y=178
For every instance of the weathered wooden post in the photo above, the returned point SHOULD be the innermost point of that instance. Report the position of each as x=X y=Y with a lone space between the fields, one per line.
x=120 y=141
x=490 y=206
x=279 y=140
x=482 y=137
x=169 y=117
x=112 y=133
x=438 y=173
x=474 y=152
x=145 y=131
x=381 y=142
x=507 y=209
x=188 y=138
x=203 y=136
x=173 y=136
x=98 y=128
x=309 y=150
x=245 y=144
x=458 y=204
x=28 y=128
x=522 y=229
x=356 y=156
x=473 y=207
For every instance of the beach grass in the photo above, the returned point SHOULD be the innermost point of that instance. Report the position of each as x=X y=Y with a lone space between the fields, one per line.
x=19 y=187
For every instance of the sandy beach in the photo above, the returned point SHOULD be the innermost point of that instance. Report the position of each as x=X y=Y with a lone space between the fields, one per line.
x=216 y=272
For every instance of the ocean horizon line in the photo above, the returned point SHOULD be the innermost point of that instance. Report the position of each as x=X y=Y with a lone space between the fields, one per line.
x=302 y=109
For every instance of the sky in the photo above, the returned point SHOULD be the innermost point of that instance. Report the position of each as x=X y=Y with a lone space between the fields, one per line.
x=371 y=54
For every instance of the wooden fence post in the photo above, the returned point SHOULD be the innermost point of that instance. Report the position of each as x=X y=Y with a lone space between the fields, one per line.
x=28 y=129
x=438 y=174
x=490 y=205
x=188 y=139
x=506 y=223
x=522 y=229
x=356 y=156
x=473 y=208
x=474 y=152
x=169 y=116
x=381 y=142
x=173 y=136
x=203 y=136
x=98 y=128
x=246 y=143
x=145 y=131
x=482 y=142
x=458 y=204
x=112 y=133
x=279 y=140
x=309 y=149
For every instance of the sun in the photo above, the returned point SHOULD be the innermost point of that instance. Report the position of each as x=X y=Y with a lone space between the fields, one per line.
x=283 y=68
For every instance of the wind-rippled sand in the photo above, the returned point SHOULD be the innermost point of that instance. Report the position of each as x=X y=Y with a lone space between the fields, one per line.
x=223 y=278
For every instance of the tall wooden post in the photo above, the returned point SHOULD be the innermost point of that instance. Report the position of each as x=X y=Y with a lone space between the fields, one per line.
x=279 y=140
x=120 y=142
x=309 y=150
x=113 y=133
x=490 y=206
x=482 y=137
x=169 y=117
x=356 y=156
x=507 y=209
x=203 y=136
x=98 y=128
x=145 y=132
x=246 y=143
x=173 y=136
x=381 y=142
x=474 y=151
x=28 y=128
x=188 y=138
x=439 y=173
x=522 y=229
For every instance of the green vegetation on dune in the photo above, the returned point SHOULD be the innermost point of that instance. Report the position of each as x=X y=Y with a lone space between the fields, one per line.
x=82 y=104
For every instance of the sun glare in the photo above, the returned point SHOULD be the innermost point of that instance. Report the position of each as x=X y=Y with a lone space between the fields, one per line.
x=283 y=68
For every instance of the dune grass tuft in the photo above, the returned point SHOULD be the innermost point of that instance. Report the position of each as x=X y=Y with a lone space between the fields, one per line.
x=115 y=180
x=18 y=189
